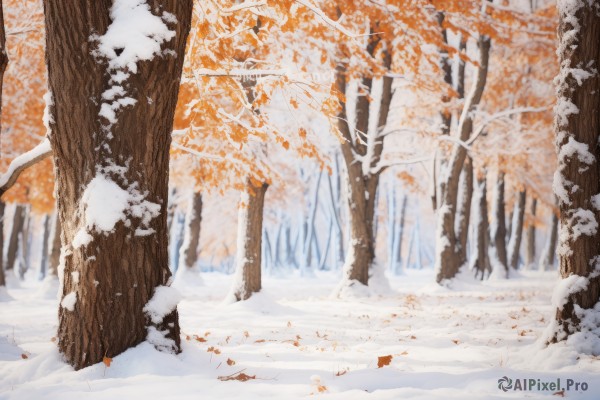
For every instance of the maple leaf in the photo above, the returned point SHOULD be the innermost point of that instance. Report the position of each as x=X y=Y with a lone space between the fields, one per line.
x=382 y=361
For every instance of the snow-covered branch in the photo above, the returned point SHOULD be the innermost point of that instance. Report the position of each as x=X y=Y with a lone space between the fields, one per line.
x=243 y=6
x=22 y=162
x=386 y=163
x=334 y=24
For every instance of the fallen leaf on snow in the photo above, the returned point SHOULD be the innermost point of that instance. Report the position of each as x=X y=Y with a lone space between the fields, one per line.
x=382 y=361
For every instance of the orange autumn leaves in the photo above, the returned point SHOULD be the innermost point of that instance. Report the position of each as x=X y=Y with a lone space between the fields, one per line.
x=22 y=102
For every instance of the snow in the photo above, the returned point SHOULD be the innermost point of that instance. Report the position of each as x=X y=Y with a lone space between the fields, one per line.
x=567 y=287
x=163 y=302
x=582 y=222
x=293 y=337
x=40 y=150
x=69 y=301
x=135 y=32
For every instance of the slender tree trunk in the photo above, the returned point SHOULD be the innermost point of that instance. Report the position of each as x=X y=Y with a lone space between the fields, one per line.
x=464 y=211
x=447 y=258
x=577 y=180
x=193 y=219
x=498 y=255
x=54 y=256
x=549 y=252
x=45 y=245
x=400 y=233
x=25 y=239
x=2 y=277
x=514 y=245
x=480 y=261
x=530 y=244
x=12 y=252
x=112 y=150
x=248 y=260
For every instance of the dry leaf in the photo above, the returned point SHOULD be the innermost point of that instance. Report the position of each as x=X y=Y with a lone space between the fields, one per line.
x=238 y=376
x=24 y=356
x=382 y=361
x=107 y=361
x=560 y=394
x=200 y=339
x=230 y=362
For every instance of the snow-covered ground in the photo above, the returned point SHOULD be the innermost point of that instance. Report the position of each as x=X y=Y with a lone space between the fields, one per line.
x=294 y=341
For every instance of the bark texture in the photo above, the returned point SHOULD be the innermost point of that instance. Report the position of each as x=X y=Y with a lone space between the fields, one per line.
x=447 y=257
x=249 y=252
x=530 y=245
x=577 y=181
x=114 y=277
x=498 y=233
x=480 y=263
x=54 y=255
x=15 y=240
x=45 y=246
x=464 y=210
x=193 y=221
x=514 y=245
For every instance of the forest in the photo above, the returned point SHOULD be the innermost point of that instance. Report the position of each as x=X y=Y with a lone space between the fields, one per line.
x=293 y=198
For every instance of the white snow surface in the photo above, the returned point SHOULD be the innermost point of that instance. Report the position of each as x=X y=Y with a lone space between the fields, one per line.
x=293 y=337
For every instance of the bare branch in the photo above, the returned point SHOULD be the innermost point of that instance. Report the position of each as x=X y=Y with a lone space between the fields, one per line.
x=22 y=162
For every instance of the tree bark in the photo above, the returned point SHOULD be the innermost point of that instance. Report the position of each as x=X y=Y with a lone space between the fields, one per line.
x=549 y=251
x=514 y=245
x=464 y=210
x=577 y=180
x=249 y=258
x=16 y=231
x=498 y=230
x=110 y=276
x=193 y=220
x=480 y=260
x=54 y=254
x=45 y=245
x=447 y=257
x=530 y=244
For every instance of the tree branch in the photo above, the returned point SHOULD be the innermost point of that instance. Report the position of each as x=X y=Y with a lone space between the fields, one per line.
x=22 y=162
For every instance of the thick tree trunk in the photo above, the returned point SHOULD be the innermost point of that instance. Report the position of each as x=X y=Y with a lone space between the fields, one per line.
x=463 y=215
x=549 y=251
x=498 y=230
x=193 y=220
x=447 y=257
x=111 y=122
x=12 y=253
x=480 y=263
x=54 y=251
x=247 y=278
x=514 y=245
x=530 y=241
x=577 y=180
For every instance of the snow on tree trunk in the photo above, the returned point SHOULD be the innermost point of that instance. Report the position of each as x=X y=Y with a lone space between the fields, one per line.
x=113 y=90
x=447 y=254
x=16 y=231
x=514 y=244
x=480 y=262
x=577 y=179
x=549 y=251
x=498 y=256
x=247 y=279
x=530 y=241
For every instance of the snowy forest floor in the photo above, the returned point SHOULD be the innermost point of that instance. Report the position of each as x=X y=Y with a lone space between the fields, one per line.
x=298 y=342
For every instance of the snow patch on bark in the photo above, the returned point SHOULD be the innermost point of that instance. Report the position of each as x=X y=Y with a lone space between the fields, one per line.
x=104 y=203
x=160 y=341
x=566 y=287
x=69 y=301
x=163 y=302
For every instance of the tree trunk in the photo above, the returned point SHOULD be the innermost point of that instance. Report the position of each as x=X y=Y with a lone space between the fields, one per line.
x=530 y=244
x=16 y=231
x=54 y=256
x=577 y=180
x=480 y=261
x=2 y=277
x=514 y=245
x=45 y=245
x=549 y=251
x=111 y=118
x=447 y=257
x=400 y=233
x=193 y=220
x=464 y=210
x=498 y=256
x=25 y=238
x=247 y=278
